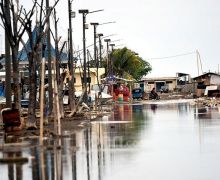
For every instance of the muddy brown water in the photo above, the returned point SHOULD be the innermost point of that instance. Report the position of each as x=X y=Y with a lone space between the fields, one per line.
x=157 y=141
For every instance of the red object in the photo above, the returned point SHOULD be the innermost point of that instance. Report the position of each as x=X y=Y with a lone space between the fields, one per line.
x=11 y=117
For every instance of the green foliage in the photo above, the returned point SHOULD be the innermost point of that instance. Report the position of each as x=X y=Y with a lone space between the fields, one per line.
x=128 y=64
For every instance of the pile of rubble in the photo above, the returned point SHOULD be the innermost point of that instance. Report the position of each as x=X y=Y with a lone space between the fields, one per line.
x=209 y=102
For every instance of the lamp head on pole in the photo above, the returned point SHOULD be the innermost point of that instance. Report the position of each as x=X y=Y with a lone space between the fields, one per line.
x=94 y=24
x=100 y=34
x=83 y=11
x=107 y=40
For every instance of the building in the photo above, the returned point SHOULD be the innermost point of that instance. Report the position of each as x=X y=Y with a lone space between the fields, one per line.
x=93 y=77
x=203 y=81
x=159 y=83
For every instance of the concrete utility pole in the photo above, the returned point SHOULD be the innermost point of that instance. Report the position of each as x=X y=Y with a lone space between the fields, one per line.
x=7 y=62
x=111 y=60
x=112 y=47
x=84 y=12
x=100 y=49
x=95 y=56
x=108 y=59
x=71 y=66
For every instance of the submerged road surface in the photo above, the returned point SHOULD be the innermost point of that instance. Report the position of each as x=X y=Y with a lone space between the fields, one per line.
x=160 y=141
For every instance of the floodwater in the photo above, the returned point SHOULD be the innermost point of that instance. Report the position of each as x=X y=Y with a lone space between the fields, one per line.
x=175 y=141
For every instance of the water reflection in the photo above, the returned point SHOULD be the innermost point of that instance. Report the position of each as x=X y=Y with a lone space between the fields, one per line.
x=153 y=107
x=134 y=142
x=206 y=113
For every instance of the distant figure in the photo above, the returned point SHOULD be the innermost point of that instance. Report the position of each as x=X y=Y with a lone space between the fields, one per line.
x=153 y=94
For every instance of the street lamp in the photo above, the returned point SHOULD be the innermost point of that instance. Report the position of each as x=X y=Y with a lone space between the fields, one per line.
x=84 y=12
x=71 y=66
x=95 y=36
x=100 y=49
x=112 y=47
x=95 y=56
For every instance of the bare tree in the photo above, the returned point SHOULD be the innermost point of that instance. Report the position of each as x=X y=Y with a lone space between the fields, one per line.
x=14 y=31
x=16 y=22
x=34 y=58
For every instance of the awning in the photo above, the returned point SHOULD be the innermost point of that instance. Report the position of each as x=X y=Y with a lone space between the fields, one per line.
x=210 y=88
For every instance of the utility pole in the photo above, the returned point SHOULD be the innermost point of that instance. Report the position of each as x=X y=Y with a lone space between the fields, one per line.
x=108 y=59
x=56 y=48
x=88 y=67
x=218 y=68
x=71 y=66
x=111 y=60
x=112 y=47
x=100 y=49
x=199 y=62
x=95 y=56
x=7 y=62
x=95 y=52
x=84 y=12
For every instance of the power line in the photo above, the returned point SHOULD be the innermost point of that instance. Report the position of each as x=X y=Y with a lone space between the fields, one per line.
x=173 y=56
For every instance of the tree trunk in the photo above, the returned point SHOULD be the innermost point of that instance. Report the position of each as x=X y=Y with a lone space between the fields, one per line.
x=32 y=92
x=17 y=89
x=50 y=88
x=8 y=73
x=7 y=60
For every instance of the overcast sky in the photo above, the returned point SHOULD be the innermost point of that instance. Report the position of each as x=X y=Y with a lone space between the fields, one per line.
x=154 y=29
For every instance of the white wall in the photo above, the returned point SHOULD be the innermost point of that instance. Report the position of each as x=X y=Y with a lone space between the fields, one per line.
x=215 y=79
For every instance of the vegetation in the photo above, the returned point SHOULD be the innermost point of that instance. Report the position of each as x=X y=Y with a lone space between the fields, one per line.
x=127 y=64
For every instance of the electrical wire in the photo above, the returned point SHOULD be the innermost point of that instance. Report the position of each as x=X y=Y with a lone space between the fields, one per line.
x=173 y=56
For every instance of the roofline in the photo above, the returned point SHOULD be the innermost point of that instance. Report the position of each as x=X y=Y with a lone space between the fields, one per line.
x=159 y=78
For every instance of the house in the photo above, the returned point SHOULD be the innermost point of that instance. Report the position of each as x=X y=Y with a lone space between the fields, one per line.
x=203 y=81
x=93 y=77
x=165 y=83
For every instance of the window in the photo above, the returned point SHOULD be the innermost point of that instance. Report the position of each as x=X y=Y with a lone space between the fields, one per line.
x=169 y=82
x=150 y=82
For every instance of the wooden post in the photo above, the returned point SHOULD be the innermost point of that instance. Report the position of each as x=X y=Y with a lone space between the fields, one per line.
x=42 y=100
x=56 y=100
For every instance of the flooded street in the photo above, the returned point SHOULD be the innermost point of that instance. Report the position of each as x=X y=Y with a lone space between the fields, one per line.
x=175 y=141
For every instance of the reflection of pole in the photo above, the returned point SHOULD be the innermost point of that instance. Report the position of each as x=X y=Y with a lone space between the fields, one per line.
x=74 y=174
x=87 y=153
x=99 y=154
x=42 y=165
